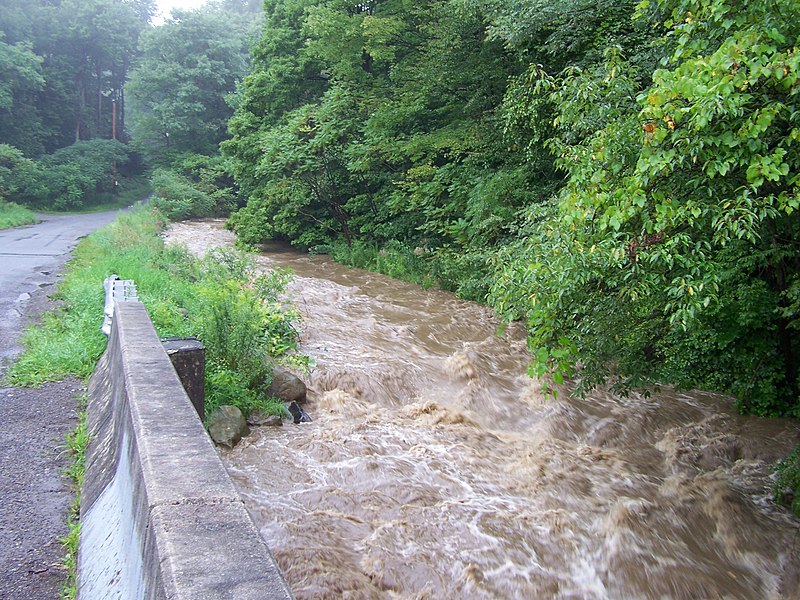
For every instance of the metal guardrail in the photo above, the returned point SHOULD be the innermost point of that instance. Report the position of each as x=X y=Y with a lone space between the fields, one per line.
x=117 y=290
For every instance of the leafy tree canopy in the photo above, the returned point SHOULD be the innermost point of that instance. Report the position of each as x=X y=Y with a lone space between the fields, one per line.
x=621 y=176
x=189 y=66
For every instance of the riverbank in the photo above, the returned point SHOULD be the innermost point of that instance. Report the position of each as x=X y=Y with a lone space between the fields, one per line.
x=435 y=466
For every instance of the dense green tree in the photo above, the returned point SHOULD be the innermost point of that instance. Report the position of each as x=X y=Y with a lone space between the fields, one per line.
x=283 y=77
x=64 y=67
x=673 y=252
x=622 y=175
x=20 y=177
x=396 y=95
x=189 y=66
x=20 y=81
x=75 y=177
x=84 y=50
x=20 y=71
x=388 y=122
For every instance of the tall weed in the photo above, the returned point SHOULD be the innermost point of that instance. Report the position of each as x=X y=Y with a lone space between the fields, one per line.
x=787 y=484
x=244 y=328
x=14 y=215
x=222 y=299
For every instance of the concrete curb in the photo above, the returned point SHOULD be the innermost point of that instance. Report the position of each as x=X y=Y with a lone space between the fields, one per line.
x=160 y=517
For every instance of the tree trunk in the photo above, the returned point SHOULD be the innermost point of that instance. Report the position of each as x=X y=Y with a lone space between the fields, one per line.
x=80 y=88
x=119 y=84
x=121 y=114
x=98 y=116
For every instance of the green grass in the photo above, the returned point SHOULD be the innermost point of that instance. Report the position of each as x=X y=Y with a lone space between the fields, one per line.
x=468 y=274
x=77 y=442
x=14 y=215
x=787 y=484
x=394 y=259
x=221 y=300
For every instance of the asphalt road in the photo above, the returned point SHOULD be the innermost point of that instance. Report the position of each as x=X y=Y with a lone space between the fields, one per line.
x=34 y=494
x=30 y=260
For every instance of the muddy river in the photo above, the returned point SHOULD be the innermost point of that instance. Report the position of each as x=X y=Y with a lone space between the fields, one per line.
x=436 y=468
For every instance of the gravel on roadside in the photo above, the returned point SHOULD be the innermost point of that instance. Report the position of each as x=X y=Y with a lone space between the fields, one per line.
x=35 y=495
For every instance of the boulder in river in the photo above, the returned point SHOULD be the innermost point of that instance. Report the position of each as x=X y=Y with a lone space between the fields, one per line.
x=298 y=414
x=260 y=419
x=227 y=426
x=286 y=387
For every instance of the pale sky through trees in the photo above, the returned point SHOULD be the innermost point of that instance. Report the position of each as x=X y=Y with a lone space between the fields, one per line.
x=165 y=7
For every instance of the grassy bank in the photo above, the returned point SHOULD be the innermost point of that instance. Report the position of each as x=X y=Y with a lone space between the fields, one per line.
x=467 y=274
x=219 y=299
x=14 y=215
x=77 y=441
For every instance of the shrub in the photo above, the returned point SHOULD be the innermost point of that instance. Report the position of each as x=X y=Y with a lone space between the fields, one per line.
x=209 y=175
x=178 y=199
x=244 y=328
x=232 y=324
x=20 y=177
x=77 y=176
x=468 y=273
x=14 y=215
x=787 y=485
x=251 y=223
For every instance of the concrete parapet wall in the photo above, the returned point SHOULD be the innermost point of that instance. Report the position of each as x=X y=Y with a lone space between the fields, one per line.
x=160 y=517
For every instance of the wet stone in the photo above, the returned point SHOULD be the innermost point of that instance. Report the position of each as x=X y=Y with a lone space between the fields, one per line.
x=263 y=420
x=286 y=387
x=228 y=426
x=298 y=414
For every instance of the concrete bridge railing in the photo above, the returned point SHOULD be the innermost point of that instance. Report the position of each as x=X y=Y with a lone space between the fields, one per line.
x=160 y=517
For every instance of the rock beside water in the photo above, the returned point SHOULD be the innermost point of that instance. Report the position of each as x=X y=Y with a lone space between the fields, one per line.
x=227 y=426
x=258 y=419
x=298 y=414
x=286 y=387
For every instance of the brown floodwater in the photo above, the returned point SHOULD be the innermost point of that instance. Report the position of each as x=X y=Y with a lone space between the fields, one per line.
x=435 y=467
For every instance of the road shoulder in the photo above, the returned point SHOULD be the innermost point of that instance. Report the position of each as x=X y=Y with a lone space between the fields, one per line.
x=35 y=495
